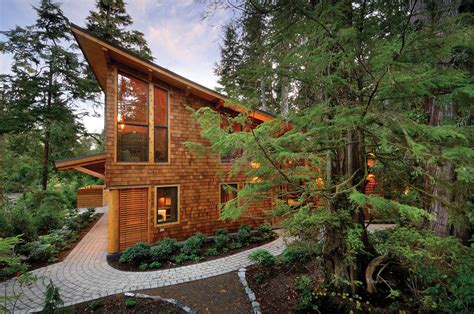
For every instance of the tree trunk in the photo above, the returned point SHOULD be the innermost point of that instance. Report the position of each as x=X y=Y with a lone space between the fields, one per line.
x=284 y=96
x=263 y=95
x=45 y=175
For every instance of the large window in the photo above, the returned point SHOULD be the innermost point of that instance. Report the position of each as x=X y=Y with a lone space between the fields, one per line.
x=132 y=119
x=161 y=124
x=167 y=207
x=228 y=192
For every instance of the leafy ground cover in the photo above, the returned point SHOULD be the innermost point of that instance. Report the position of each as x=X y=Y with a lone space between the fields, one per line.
x=169 y=253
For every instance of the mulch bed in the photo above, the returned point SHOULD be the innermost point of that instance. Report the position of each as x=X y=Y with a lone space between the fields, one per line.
x=113 y=260
x=276 y=292
x=116 y=304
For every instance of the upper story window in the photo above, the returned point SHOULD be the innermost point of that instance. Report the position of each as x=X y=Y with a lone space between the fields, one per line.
x=161 y=124
x=132 y=119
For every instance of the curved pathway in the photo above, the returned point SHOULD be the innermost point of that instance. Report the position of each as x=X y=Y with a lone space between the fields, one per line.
x=85 y=274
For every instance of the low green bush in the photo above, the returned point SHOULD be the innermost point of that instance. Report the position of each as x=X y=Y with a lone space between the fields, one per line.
x=243 y=235
x=296 y=253
x=143 y=266
x=221 y=239
x=38 y=251
x=256 y=239
x=181 y=258
x=258 y=277
x=235 y=245
x=49 y=218
x=262 y=257
x=95 y=305
x=164 y=249
x=16 y=220
x=193 y=244
x=212 y=251
x=154 y=264
x=265 y=230
x=136 y=253
x=60 y=238
x=130 y=302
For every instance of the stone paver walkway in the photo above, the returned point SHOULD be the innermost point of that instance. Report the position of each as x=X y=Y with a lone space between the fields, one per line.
x=85 y=275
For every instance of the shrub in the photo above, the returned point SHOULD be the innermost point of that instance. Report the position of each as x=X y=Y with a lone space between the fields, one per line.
x=221 y=239
x=193 y=244
x=136 y=254
x=243 y=234
x=262 y=257
x=256 y=239
x=49 y=218
x=154 y=264
x=163 y=250
x=181 y=258
x=130 y=302
x=296 y=253
x=61 y=238
x=95 y=304
x=304 y=287
x=143 y=266
x=212 y=252
x=265 y=230
x=10 y=262
x=52 y=299
x=15 y=220
x=38 y=251
x=235 y=245
x=258 y=277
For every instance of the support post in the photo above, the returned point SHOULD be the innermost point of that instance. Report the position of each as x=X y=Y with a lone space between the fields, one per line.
x=113 y=238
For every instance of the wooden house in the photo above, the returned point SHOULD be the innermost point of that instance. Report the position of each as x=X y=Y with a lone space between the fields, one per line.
x=157 y=187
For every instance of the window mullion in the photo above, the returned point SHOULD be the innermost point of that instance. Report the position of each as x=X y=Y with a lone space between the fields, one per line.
x=151 y=122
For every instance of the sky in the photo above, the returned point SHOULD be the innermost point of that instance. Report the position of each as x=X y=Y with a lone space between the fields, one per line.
x=180 y=39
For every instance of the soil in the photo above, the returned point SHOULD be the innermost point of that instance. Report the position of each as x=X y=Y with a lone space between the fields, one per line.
x=116 y=304
x=219 y=294
x=276 y=292
x=113 y=260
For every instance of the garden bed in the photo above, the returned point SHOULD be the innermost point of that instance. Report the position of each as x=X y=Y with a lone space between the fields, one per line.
x=168 y=253
x=118 y=304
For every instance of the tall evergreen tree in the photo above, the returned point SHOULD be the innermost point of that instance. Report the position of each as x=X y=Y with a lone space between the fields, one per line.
x=366 y=71
x=110 y=21
x=46 y=81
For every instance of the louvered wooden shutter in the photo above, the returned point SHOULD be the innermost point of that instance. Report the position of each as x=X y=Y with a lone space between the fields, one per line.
x=133 y=216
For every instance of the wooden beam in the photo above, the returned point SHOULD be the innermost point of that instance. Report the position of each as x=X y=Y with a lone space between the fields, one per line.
x=106 y=54
x=151 y=122
x=150 y=75
x=219 y=104
x=113 y=237
x=187 y=91
x=89 y=172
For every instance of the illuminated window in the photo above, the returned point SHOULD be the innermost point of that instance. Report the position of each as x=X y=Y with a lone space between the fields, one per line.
x=132 y=119
x=167 y=207
x=228 y=192
x=161 y=124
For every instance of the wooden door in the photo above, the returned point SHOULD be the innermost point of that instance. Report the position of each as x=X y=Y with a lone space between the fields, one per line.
x=133 y=217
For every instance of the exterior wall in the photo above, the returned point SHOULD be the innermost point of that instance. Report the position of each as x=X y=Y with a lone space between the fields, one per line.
x=197 y=176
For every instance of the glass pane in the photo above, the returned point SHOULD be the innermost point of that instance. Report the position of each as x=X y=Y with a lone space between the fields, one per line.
x=228 y=192
x=160 y=106
x=132 y=100
x=132 y=143
x=166 y=204
x=161 y=144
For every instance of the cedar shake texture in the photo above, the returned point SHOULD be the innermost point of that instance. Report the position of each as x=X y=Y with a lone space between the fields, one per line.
x=196 y=175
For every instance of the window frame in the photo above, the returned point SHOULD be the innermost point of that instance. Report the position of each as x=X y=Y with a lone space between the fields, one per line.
x=147 y=125
x=155 y=209
x=220 y=190
x=167 y=127
x=152 y=84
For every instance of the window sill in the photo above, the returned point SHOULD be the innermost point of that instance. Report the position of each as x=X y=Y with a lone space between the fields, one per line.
x=167 y=224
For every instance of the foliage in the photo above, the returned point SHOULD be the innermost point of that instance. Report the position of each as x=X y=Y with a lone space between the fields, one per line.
x=52 y=299
x=154 y=264
x=262 y=257
x=221 y=239
x=164 y=249
x=193 y=244
x=297 y=253
x=136 y=253
x=243 y=235
x=265 y=230
x=38 y=251
x=439 y=269
x=212 y=251
x=10 y=262
x=258 y=277
x=16 y=220
x=130 y=302
x=181 y=258
x=95 y=304
x=109 y=22
x=306 y=298
x=143 y=266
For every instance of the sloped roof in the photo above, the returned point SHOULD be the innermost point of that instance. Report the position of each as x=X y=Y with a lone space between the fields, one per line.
x=99 y=52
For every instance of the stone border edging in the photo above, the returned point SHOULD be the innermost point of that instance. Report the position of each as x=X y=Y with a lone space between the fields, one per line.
x=174 y=302
x=251 y=295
